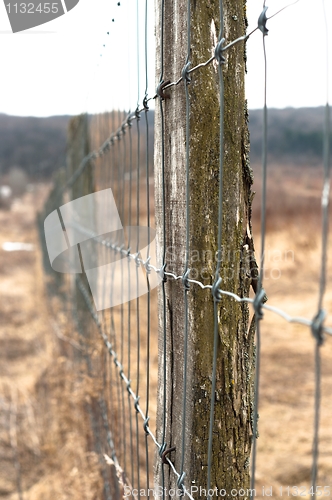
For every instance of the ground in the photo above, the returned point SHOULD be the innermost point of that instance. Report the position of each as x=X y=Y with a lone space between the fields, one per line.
x=43 y=452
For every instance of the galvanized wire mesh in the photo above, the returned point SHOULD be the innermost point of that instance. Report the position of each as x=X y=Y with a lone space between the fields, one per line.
x=114 y=150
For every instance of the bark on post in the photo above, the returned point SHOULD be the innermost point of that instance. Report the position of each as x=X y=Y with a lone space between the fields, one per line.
x=234 y=393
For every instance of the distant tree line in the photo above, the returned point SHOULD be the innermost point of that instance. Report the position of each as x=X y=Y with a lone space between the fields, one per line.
x=38 y=145
x=35 y=145
x=294 y=135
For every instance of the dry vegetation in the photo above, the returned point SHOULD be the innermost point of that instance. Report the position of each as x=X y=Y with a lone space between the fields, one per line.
x=45 y=436
x=43 y=428
x=293 y=249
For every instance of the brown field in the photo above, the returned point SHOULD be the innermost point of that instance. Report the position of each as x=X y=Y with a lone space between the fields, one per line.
x=43 y=431
x=293 y=256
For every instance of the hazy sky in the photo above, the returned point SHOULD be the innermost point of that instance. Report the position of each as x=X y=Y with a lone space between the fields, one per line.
x=52 y=69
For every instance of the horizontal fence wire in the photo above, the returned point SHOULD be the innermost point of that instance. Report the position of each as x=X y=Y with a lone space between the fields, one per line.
x=146 y=263
x=120 y=157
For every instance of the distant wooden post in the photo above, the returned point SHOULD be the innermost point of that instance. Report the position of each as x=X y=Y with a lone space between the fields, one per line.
x=234 y=393
x=78 y=148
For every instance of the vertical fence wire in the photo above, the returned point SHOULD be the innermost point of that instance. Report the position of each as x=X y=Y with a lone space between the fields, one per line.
x=148 y=307
x=260 y=294
x=164 y=360
x=138 y=269
x=186 y=80
x=320 y=317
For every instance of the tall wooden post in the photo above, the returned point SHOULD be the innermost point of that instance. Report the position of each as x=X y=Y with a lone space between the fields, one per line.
x=233 y=409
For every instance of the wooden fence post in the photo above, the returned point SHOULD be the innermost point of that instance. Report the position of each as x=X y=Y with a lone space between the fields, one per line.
x=232 y=430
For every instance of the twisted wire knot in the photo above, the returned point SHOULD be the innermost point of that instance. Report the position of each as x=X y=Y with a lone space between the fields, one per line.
x=162 y=273
x=262 y=20
x=146 y=425
x=138 y=260
x=147 y=265
x=185 y=281
x=218 y=52
x=136 y=403
x=317 y=326
x=216 y=293
x=137 y=114
x=162 y=449
x=185 y=73
x=180 y=482
x=259 y=300
x=145 y=103
x=160 y=90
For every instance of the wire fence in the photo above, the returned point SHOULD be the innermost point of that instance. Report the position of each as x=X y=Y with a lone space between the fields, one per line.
x=115 y=150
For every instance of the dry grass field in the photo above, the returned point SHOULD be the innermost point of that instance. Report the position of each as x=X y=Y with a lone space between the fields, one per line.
x=43 y=429
x=42 y=432
x=293 y=257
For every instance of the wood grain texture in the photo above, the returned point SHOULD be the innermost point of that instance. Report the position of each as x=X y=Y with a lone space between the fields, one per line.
x=234 y=392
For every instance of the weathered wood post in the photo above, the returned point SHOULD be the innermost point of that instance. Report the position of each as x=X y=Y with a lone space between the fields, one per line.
x=232 y=428
x=78 y=148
